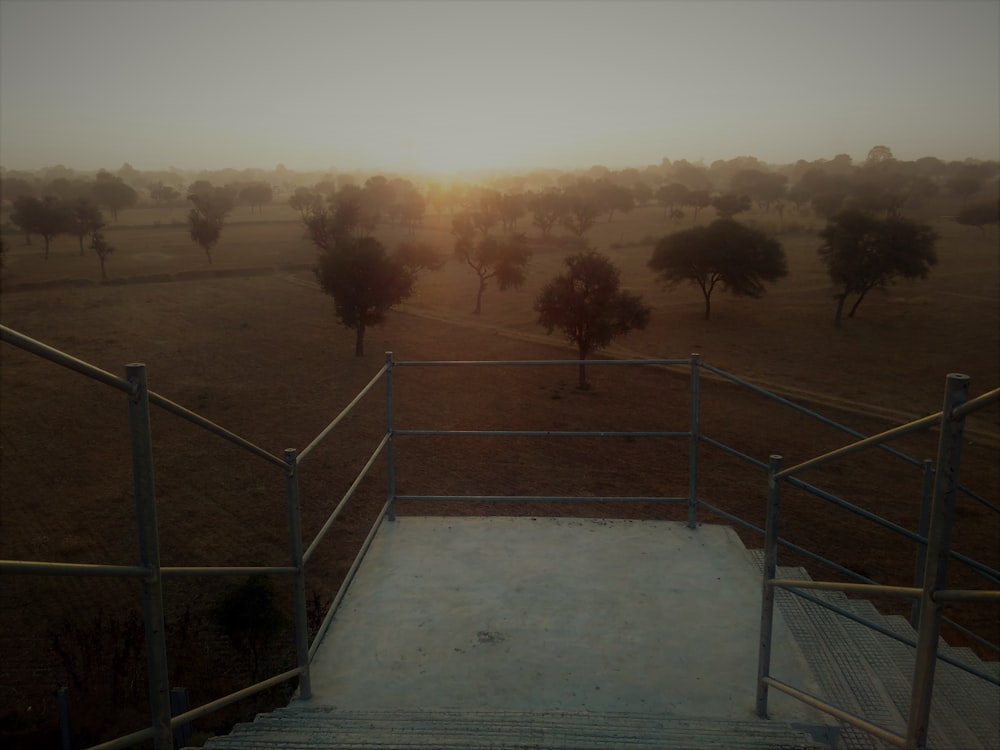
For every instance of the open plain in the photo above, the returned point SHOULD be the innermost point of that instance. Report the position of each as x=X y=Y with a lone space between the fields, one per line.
x=251 y=343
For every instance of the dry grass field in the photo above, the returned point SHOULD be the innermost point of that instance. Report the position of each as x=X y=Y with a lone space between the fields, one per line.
x=253 y=345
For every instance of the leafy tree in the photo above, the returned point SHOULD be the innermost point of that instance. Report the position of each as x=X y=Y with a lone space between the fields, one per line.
x=672 y=195
x=111 y=192
x=48 y=217
x=589 y=307
x=546 y=209
x=305 y=201
x=256 y=194
x=879 y=154
x=364 y=280
x=490 y=257
x=979 y=216
x=862 y=252
x=728 y=205
x=698 y=199
x=84 y=218
x=26 y=215
x=611 y=197
x=206 y=219
x=765 y=188
x=510 y=207
x=163 y=195
x=725 y=252
x=581 y=214
x=248 y=614
x=99 y=245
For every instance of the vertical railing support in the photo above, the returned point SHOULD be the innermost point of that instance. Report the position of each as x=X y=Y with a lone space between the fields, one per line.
x=390 y=450
x=149 y=557
x=65 y=727
x=767 y=593
x=299 y=580
x=936 y=566
x=694 y=442
x=925 y=512
x=180 y=704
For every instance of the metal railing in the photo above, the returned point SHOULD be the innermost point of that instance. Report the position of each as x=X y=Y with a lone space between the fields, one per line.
x=931 y=595
x=151 y=573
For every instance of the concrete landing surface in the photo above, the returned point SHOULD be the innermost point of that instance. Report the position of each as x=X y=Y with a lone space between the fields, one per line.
x=555 y=614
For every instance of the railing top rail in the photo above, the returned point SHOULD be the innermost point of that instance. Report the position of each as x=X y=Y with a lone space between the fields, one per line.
x=975 y=404
x=344 y=412
x=539 y=362
x=96 y=373
x=62 y=358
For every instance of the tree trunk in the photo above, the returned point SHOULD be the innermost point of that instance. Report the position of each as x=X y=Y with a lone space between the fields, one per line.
x=708 y=305
x=479 y=297
x=104 y=276
x=80 y=238
x=359 y=340
x=47 y=240
x=208 y=254
x=857 y=302
x=841 y=298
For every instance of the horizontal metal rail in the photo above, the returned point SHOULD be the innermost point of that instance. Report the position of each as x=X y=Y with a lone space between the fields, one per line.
x=343 y=500
x=37 y=567
x=204 y=710
x=539 y=433
x=975 y=404
x=85 y=368
x=916 y=425
x=540 y=498
x=344 y=412
x=61 y=358
x=127 y=741
x=351 y=572
x=733 y=452
x=857 y=721
x=965 y=595
x=803 y=410
x=787 y=544
x=179 y=571
x=540 y=362
x=867 y=589
x=210 y=426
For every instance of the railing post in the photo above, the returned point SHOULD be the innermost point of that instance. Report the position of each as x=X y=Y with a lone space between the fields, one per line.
x=390 y=451
x=299 y=580
x=65 y=727
x=936 y=566
x=767 y=592
x=149 y=557
x=925 y=511
x=694 y=442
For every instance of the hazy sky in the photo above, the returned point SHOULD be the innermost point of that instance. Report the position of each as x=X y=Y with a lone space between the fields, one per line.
x=442 y=85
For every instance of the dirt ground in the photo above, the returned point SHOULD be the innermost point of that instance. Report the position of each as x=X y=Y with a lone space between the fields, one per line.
x=261 y=354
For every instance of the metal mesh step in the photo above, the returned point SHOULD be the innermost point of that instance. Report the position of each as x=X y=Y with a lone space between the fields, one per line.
x=332 y=729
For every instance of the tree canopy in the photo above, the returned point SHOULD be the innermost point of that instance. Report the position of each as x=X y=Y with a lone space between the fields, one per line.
x=863 y=252
x=587 y=304
x=725 y=253
x=205 y=220
x=503 y=259
x=111 y=192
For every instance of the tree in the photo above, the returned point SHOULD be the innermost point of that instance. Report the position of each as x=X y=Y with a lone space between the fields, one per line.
x=725 y=252
x=589 y=307
x=84 y=218
x=112 y=193
x=48 y=217
x=490 y=257
x=581 y=213
x=670 y=196
x=546 y=209
x=99 y=245
x=164 y=195
x=697 y=199
x=363 y=279
x=728 y=205
x=979 y=216
x=611 y=197
x=862 y=252
x=879 y=154
x=256 y=194
x=205 y=220
x=305 y=201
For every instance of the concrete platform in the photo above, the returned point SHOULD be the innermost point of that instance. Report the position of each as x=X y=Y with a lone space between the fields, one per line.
x=554 y=614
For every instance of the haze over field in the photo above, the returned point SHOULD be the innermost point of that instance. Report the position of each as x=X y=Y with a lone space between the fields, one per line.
x=440 y=86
